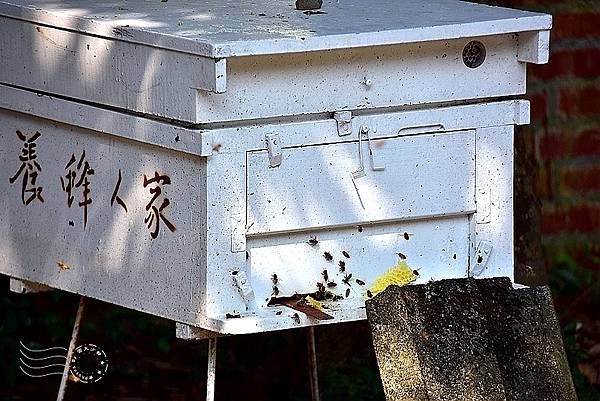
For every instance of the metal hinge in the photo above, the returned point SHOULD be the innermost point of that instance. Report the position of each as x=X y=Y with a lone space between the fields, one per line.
x=344 y=122
x=274 y=149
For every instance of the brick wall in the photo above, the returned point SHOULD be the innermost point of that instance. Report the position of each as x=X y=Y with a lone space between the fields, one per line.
x=562 y=144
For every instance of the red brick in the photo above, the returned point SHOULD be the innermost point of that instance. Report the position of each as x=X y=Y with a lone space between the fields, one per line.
x=560 y=64
x=581 y=63
x=580 y=101
x=538 y=106
x=566 y=144
x=587 y=143
x=584 y=25
x=579 y=218
x=581 y=178
x=553 y=145
x=586 y=63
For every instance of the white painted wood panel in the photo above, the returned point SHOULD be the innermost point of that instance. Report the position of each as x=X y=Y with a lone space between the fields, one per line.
x=402 y=75
x=494 y=218
x=101 y=244
x=425 y=175
x=217 y=28
x=109 y=72
x=102 y=121
x=437 y=248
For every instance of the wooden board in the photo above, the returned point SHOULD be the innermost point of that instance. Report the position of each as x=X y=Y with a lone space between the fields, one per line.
x=217 y=28
x=425 y=175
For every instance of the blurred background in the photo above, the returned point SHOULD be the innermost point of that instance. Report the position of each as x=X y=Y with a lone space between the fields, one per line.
x=557 y=216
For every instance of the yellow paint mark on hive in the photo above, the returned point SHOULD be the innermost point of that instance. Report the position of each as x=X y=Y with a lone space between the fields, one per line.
x=63 y=266
x=313 y=302
x=400 y=275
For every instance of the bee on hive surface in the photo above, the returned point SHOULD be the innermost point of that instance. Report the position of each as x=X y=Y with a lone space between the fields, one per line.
x=347 y=292
x=313 y=241
x=296 y=318
x=325 y=275
x=401 y=255
x=275 y=291
x=331 y=284
x=360 y=282
x=346 y=254
x=342 y=265
x=328 y=256
x=369 y=294
x=347 y=278
x=274 y=278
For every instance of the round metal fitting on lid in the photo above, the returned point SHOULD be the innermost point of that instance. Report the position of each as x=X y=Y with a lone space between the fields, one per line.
x=473 y=54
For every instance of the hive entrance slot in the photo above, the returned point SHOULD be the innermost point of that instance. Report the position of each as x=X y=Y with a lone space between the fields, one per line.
x=299 y=303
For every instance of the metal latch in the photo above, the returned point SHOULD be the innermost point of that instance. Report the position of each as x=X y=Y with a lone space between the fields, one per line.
x=364 y=131
x=274 y=149
x=344 y=122
x=482 y=254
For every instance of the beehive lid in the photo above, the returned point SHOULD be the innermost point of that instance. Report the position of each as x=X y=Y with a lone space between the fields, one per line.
x=227 y=28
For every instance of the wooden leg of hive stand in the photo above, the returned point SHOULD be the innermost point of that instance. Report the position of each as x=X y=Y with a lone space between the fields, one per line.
x=312 y=365
x=212 y=368
x=72 y=344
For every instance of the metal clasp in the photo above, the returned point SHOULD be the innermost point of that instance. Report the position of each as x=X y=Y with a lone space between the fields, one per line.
x=364 y=131
x=274 y=149
x=344 y=122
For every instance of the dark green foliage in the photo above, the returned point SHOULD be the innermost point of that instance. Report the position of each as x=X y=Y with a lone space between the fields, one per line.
x=576 y=293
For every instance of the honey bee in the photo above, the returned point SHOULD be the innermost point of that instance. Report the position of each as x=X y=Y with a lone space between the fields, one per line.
x=325 y=275
x=369 y=294
x=328 y=256
x=331 y=284
x=347 y=292
x=216 y=147
x=313 y=241
x=275 y=291
x=360 y=282
x=320 y=287
x=360 y=228
x=274 y=278
x=63 y=266
x=401 y=255
x=346 y=254
x=342 y=265
x=278 y=312
x=406 y=237
x=296 y=318
x=416 y=272
x=347 y=278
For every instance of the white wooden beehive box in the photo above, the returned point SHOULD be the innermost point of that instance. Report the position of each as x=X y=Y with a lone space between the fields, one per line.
x=172 y=157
